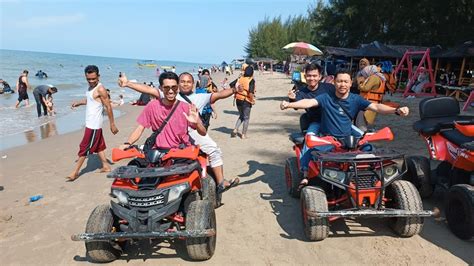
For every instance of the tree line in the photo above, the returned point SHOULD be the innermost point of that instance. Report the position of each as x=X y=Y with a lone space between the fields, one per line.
x=349 y=23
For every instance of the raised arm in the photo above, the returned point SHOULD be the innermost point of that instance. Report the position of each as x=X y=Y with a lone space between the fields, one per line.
x=124 y=82
x=222 y=94
x=104 y=98
x=301 y=104
x=385 y=109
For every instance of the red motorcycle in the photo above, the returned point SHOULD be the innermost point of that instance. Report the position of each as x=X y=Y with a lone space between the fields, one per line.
x=450 y=141
x=349 y=182
x=159 y=194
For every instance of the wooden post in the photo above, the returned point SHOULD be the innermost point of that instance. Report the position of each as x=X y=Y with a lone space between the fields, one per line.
x=462 y=71
x=436 y=68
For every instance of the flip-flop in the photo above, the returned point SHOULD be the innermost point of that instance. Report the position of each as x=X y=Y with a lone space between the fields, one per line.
x=304 y=182
x=233 y=134
x=233 y=183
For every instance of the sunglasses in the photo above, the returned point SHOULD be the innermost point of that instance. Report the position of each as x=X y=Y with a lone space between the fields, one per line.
x=167 y=88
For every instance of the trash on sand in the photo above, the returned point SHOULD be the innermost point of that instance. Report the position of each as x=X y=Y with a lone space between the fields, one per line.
x=35 y=198
x=4 y=156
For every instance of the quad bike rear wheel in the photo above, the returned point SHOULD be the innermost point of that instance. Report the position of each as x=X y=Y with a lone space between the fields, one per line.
x=209 y=191
x=419 y=173
x=101 y=220
x=201 y=216
x=404 y=196
x=293 y=177
x=313 y=199
x=460 y=210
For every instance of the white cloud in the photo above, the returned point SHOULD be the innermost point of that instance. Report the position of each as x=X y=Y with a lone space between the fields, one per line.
x=48 y=21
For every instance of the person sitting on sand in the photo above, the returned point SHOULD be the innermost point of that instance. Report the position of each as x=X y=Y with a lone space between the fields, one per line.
x=93 y=141
x=338 y=109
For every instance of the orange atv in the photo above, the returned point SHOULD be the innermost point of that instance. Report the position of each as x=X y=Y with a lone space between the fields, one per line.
x=449 y=138
x=350 y=182
x=159 y=194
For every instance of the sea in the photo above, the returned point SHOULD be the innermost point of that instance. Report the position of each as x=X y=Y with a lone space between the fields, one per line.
x=20 y=126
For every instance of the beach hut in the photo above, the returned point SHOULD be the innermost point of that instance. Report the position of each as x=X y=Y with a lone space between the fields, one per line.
x=376 y=50
x=460 y=57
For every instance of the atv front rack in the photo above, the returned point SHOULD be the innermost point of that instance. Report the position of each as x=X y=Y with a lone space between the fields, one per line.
x=366 y=213
x=141 y=235
x=133 y=171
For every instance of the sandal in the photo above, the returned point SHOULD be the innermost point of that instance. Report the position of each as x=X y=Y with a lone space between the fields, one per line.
x=233 y=134
x=304 y=182
x=233 y=183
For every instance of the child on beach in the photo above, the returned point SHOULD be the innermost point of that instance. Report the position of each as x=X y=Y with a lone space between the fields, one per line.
x=96 y=101
x=50 y=105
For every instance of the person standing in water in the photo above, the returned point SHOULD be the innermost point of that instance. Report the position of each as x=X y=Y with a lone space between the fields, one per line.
x=93 y=140
x=22 y=86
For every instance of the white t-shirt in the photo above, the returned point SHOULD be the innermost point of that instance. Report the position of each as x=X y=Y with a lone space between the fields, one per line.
x=200 y=100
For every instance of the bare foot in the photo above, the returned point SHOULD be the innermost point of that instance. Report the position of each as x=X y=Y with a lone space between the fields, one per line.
x=105 y=170
x=72 y=177
x=244 y=136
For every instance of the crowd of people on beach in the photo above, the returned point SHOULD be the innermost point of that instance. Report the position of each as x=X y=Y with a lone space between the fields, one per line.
x=194 y=99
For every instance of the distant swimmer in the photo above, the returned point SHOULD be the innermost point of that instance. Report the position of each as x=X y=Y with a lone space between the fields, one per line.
x=40 y=93
x=5 y=87
x=41 y=75
x=21 y=86
x=61 y=65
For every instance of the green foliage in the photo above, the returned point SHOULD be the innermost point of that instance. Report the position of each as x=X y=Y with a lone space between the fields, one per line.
x=348 y=23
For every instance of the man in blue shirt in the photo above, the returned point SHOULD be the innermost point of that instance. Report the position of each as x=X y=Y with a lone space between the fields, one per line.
x=338 y=109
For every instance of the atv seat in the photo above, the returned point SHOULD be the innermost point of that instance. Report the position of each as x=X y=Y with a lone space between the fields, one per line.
x=438 y=113
x=459 y=139
x=297 y=138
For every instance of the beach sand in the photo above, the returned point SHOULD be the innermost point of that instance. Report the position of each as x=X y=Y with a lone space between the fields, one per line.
x=259 y=222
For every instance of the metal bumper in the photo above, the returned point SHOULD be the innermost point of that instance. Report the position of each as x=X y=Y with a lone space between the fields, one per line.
x=371 y=213
x=140 y=235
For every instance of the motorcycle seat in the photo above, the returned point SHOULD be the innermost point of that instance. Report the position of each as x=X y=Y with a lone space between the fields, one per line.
x=458 y=139
x=297 y=138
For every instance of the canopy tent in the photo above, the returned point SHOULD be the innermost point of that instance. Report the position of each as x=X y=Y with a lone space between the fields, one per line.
x=223 y=64
x=339 y=51
x=376 y=49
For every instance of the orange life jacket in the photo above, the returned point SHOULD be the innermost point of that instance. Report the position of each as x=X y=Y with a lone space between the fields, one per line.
x=376 y=95
x=243 y=93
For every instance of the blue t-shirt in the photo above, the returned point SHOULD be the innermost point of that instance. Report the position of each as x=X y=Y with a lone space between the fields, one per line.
x=334 y=121
x=314 y=113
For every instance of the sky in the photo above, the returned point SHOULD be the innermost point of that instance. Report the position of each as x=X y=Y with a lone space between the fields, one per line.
x=204 y=31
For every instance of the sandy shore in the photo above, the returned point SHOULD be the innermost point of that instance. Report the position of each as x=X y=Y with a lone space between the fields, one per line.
x=259 y=223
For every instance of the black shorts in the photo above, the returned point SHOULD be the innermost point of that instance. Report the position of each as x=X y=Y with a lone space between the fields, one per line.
x=22 y=96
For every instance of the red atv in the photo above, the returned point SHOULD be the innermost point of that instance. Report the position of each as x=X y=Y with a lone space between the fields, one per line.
x=159 y=194
x=348 y=182
x=450 y=142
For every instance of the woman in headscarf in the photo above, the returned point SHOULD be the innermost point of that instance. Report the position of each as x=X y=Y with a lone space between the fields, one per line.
x=244 y=98
x=372 y=88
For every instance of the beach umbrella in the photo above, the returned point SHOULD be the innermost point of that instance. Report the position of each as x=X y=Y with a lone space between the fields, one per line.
x=302 y=48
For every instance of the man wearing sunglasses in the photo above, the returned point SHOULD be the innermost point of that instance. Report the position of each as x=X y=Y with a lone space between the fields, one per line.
x=175 y=132
x=207 y=144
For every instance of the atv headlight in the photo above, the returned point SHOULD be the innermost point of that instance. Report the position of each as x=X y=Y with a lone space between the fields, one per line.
x=334 y=175
x=121 y=196
x=176 y=191
x=390 y=171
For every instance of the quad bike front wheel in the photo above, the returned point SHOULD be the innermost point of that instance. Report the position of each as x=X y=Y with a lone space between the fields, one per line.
x=419 y=173
x=101 y=220
x=313 y=200
x=403 y=195
x=201 y=216
x=460 y=210
x=293 y=177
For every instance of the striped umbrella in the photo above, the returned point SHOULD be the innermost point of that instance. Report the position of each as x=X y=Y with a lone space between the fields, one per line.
x=302 y=48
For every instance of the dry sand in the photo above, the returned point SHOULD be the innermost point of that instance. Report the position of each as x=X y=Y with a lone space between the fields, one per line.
x=258 y=224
